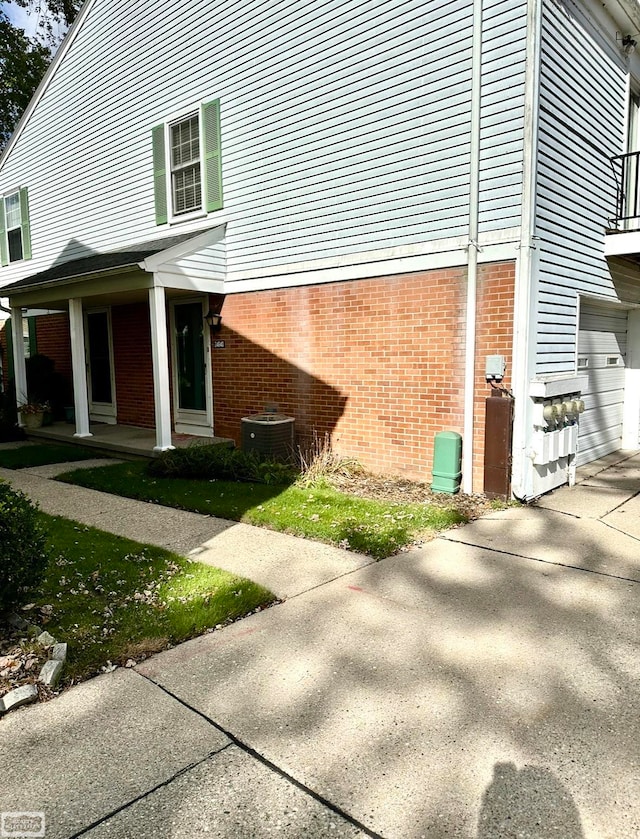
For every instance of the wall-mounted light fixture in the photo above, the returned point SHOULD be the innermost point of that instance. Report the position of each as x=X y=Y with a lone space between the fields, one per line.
x=628 y=44
x=214 y=319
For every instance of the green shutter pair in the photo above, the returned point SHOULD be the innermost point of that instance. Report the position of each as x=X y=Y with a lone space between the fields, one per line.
x=211 y=163
x=24 y=224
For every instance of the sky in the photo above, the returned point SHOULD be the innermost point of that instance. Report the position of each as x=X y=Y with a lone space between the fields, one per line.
x=22 y=18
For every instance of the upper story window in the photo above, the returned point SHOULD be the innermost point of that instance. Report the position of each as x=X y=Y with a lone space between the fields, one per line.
x=15 y=238
x=186 y=180
x=187 y=165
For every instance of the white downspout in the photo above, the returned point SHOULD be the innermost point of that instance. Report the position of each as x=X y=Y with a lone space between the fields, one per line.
x=525 y=312
x=472 y=249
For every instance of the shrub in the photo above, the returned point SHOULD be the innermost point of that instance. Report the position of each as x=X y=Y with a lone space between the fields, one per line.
x=23 y=552
x=9 y=429
x=218 y=461
x=319 y=463
x=45 y=385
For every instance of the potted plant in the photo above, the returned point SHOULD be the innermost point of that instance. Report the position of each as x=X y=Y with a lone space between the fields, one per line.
x=32 y=413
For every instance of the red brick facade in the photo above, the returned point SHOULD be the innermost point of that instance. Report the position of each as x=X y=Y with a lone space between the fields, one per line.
x=133 y=365
x=53 y=339
x=377 y=363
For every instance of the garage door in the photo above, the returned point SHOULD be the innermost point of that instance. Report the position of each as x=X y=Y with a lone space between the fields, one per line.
x=602 y=352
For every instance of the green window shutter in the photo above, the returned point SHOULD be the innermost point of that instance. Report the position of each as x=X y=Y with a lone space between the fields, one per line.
x=9 y=337
x=26 y=224
x=212 y=155
x=33 y=340
x=159 y=174
x=4 y=253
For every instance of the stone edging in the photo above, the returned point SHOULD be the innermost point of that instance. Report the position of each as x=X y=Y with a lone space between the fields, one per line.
x=49 y=675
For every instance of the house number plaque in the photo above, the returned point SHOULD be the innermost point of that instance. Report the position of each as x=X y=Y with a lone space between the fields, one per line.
x=218 y=345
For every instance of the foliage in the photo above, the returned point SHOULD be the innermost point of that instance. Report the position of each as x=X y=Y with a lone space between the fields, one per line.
x=114 y=599
x=23 y=556
x=23 y=63
x=9 y=429
x=377 y=528
x=34 y=408
x=41 y=454
x=45 y=386
x=318 y=461
x=219 y=462
x=52 y=13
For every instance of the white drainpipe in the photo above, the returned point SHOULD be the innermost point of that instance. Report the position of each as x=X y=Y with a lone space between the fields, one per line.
x=472 y=249
x=524 y=316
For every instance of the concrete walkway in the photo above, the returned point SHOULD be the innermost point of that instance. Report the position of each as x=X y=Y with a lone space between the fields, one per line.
x=483 y=686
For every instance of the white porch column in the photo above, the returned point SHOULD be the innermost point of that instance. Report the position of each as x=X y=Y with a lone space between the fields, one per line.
x=79 y=365
x=160 y=355
x=19 y=367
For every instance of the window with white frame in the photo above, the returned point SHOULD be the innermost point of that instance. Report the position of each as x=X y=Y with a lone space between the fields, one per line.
x=186 y=183
x=15 y=240
x=13 y=220
x=187 y=164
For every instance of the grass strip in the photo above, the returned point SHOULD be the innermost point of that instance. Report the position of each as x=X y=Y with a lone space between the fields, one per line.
x=320 y=512
x=114 y=599
x=42 y=455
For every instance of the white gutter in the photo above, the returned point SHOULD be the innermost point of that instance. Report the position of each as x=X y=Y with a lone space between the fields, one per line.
x=472 y=249
x=524 y=315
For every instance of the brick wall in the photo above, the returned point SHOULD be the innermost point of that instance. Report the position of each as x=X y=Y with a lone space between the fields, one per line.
x=378 y=364
x=133 y=364
x=54 y=340
x=494 y=336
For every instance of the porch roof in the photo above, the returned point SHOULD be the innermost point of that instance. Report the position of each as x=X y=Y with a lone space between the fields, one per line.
x=129 y=256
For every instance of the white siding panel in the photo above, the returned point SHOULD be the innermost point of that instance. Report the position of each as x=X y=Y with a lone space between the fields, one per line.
x=502 y=113
x=345 y=125
x=581 y=127
x=208 y=264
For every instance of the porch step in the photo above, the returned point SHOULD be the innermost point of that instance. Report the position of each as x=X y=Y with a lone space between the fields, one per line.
x=126 y=441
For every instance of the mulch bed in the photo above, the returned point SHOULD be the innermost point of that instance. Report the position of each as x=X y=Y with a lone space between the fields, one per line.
x=381 y=487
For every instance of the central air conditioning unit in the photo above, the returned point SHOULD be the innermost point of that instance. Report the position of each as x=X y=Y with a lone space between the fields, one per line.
x=269 y=434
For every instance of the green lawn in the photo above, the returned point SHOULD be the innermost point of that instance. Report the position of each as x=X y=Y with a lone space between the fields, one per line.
x=42 y=454
x=375 y=528
x=114 y=599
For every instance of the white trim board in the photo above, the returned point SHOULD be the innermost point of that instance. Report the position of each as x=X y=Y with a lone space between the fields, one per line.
x=365 y=270
x=622 y=244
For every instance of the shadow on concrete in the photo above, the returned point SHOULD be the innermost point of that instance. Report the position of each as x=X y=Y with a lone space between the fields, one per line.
x=527 y=802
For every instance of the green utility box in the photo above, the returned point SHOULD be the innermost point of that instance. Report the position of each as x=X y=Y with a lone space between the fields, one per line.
x=447 y=462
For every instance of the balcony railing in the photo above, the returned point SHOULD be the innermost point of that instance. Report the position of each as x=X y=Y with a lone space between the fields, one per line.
x=626 y=169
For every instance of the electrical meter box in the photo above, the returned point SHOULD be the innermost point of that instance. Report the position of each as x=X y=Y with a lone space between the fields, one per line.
x=495 y=365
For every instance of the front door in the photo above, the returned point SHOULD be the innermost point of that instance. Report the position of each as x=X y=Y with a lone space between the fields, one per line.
x=191 y=378
x=101 y=385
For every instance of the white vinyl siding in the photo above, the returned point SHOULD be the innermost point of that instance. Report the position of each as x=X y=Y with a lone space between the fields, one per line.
x=581 y=126
x=345 y=124
x=502 y=114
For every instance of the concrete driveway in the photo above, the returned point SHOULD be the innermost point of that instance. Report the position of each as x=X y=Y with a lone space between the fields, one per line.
x=483 y=686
